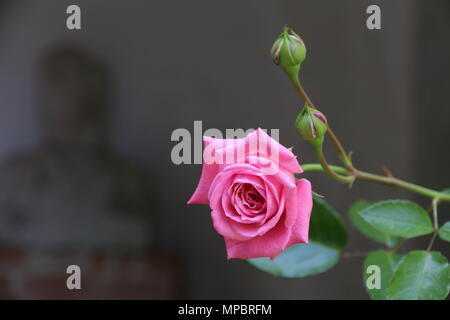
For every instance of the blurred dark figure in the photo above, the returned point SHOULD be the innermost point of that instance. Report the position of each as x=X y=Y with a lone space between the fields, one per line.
x=71 y=192
x=71 y=196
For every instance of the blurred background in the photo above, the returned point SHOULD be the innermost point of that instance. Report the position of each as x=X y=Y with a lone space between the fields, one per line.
x=86 y=116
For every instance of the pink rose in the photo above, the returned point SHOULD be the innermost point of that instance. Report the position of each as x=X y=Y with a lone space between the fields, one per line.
x=257 y=204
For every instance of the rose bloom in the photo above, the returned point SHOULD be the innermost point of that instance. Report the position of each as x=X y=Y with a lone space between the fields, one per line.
x=256 y=203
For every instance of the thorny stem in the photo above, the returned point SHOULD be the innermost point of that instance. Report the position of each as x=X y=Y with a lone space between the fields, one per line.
x=328 y=170
x=349 y=173
x=435 y=203
x=391 y=181
x=337 y=144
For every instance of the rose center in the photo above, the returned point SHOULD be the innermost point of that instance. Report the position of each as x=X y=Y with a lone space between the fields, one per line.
x=250 y=198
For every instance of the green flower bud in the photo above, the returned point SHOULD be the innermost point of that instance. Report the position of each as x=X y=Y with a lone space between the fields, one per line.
x=289 y=52
x=311 y=125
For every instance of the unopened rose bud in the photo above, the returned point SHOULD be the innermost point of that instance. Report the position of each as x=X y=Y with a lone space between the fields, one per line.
x=311 y=125
x=288 y=52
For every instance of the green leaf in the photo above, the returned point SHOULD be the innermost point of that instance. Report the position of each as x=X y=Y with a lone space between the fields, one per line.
x=444 y=231
x=298 y=261
x=387 y=261
x=327 y=227
x=366 y=229
x=420 y=275
x=327 y=238
x=398 y=218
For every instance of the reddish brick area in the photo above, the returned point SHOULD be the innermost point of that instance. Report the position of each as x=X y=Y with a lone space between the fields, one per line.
x=103 y=276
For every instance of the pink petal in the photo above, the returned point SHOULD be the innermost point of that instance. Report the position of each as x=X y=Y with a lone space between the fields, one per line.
x=252 y=145
x=269 y=245
x=291 y=206
x=286 y=158
x=223 y=227
x=304 y=206
x=232 y=211
x=271 y=223
x=209 y=172
x=320 y=116
x=260 y=230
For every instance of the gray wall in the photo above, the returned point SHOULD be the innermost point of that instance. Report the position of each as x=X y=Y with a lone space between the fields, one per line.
x=180 y=61
x=432 y=102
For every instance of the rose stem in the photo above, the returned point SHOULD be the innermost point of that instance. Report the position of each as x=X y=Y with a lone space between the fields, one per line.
x=391 y=181
x=337 y=144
